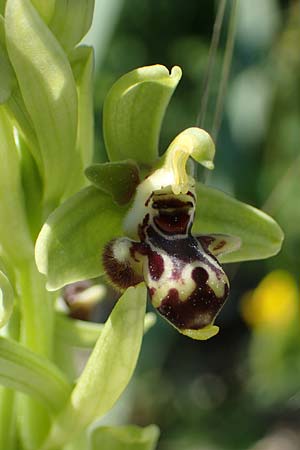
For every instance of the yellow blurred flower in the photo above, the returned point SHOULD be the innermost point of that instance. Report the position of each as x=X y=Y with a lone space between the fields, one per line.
x=274 y=303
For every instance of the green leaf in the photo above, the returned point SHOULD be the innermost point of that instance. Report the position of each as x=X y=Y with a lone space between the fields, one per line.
x=217 y=212
x=7 y=76
x=6 y=299
x=129 y=437
x=27 y=372
x=119 y=179
x=82 y=63
x=45 y=8
x=71 y=20
x=70 y=244
x=108 y=370
x=79 y=333
x=133 y=112
x=48 y=89
x=32 y=188
x=14 y=233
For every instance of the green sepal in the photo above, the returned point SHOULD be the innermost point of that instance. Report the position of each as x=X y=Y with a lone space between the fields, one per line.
x=133 y=112
x=27 y=372
x=108 y=370
x=48 y=89
x=128 y=437
x=119 y=179
x=14 y=232
x=70 y=244
x=71 y=20
x=216 y=212
x=6 y=299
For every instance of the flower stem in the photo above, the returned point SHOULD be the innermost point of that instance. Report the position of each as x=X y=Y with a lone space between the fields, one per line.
x=37 y=316
x=225 y=71
x=211 y=62
x=8 y=432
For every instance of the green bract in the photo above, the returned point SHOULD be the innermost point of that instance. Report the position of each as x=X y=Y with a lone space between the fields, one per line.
x=48 y=89
x=108 y=369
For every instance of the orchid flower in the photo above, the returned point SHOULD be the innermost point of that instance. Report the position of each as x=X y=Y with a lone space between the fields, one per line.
x=145 y=219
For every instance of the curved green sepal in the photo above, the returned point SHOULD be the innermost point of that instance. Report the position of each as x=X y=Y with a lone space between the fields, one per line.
x=48 y=89
x=119 y=179
x=71 y=20
x=216 y=212
x=70 y=244
x=128 y=437
x=200 y=335
x=133 y=112
x=27 y=372
x=108 y=370
x=6 y=299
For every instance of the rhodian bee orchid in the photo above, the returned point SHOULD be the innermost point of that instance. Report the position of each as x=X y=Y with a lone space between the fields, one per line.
x=185 y=281
x=145 y=219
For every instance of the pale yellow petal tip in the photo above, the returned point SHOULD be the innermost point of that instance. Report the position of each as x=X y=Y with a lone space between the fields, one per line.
x=176 y=72
x=203 y=334
x=208 y=165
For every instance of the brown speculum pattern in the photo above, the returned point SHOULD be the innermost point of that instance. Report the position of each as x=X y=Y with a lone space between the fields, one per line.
x=185 y=281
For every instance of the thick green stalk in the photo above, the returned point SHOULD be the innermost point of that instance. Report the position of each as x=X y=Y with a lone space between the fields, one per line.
x=37 y=317
x=7 y=419
x=37 y=312
x=8 y=425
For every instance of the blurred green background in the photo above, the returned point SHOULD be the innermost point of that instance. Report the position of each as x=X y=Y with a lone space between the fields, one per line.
x=241 y=389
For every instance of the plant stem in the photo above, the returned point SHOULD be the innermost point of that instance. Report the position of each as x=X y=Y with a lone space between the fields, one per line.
x=37 y=315
x=8 y=432
x=281 y=189
x=211 y=62
x=225 y=71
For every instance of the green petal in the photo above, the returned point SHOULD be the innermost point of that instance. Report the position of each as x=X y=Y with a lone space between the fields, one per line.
x=129 y=437
x=32 y=374
x=119 y=179
x=133 y=112
x=6 y=299
x=217 y=212
x=70 y=244
x=48 y=89
x=14 y=233
x=107 y=371
x=71 y=20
